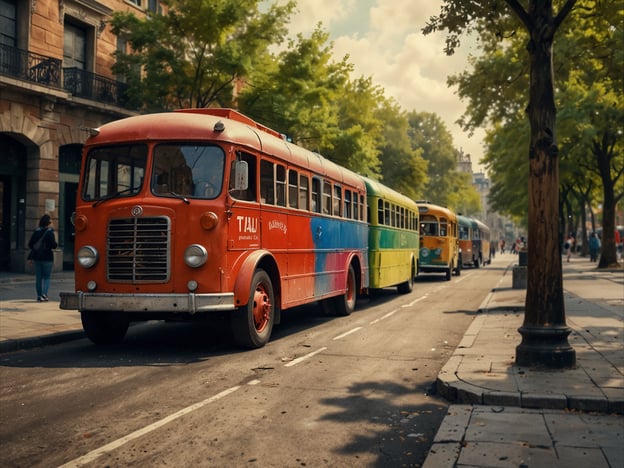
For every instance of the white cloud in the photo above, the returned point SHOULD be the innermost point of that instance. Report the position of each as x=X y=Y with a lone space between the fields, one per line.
x=383 y=39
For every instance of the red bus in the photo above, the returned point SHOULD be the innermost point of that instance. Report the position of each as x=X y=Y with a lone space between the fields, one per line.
x=180 y=215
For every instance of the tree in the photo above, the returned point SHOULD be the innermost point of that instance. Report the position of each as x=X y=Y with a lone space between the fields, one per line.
x=192 y=55
x=444 y=186
x=593 y=111
x=402 y=165
x=310 y=97
x=544 y=330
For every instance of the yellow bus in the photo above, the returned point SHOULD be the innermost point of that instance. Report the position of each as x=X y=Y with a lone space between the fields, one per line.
x=439 y=246
x=392 y=238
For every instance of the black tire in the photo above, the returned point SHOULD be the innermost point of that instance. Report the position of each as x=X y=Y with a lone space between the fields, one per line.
x=104 y=328
x=345 y=304
x=408 y=286
x=448 y=273
x=252 y=324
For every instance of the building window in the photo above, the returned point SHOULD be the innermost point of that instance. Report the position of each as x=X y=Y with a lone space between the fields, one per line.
x=8 y=22
x=153 y=6
x=75 y=46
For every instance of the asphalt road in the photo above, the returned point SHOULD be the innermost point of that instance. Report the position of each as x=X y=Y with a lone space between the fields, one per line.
x=325 y=391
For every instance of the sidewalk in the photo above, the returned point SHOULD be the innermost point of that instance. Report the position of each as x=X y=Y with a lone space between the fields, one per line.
x=26 y=323
x=509 y=416
x=501 y=415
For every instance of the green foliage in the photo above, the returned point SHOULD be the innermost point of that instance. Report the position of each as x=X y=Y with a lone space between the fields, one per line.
x=588 y=66
x=196 y=55
x=429 y=135
x=192 y=56
x=312 y=99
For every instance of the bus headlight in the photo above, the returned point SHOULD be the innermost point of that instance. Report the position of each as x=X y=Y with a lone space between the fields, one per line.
x=87 y=256
x=195 y=255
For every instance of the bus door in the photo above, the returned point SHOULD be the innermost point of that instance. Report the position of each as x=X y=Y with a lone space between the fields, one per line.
x=244 y=231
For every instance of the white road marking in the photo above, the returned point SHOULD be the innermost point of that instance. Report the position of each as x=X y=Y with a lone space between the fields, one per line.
x=294 y=362
x=89 y=457
x=415 y=301
x=347 y=333
x=389 y=314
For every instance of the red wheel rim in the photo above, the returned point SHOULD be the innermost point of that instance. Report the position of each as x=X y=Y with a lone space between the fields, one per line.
x=261 y=308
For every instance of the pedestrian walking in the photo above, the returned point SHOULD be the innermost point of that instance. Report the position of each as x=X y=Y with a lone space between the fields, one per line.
x=594 y=247
x=41 y=244
x=502 y=246
x=568 y=246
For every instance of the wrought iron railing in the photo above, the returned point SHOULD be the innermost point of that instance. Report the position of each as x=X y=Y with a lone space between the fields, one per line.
x=43 y=70
x=29 y=66
x=89 y=85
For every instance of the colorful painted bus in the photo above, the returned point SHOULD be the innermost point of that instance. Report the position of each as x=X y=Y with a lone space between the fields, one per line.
x=481 y=243
x=439 y=246
x=464 y=235
x=474 y=242
x=393 y=242
x=180 y=215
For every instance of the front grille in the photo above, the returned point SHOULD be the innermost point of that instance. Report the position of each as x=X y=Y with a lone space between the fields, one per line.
x=138 y=249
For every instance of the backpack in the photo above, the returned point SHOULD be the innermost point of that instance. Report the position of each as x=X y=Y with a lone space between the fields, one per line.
x=38 y=247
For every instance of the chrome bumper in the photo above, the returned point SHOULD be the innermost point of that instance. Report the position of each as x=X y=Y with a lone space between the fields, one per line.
x=177 y=303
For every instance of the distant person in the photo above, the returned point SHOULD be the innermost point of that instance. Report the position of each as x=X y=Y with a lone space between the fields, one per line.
x=502 y=246
x=594 y=247
x=568 y=246
x=41 y=244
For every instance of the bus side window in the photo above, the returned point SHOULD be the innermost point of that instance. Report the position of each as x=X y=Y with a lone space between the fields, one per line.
x=280 y=184
x=347 y=204
x=362 y=205
x=337 y=200
x=326 y=197
x=293 y=189
x=443 y=227
x=267 y=185
x=304 y=189
x=387 y=214
x=316 y=195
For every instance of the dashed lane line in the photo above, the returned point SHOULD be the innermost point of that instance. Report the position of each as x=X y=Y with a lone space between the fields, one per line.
x=294 y=362
x=93 y=455
x=353 y=330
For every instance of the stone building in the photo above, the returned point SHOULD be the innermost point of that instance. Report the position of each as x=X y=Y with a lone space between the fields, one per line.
x=55 y=83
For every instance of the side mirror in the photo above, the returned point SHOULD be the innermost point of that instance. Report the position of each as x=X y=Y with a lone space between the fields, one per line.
x=240 y=175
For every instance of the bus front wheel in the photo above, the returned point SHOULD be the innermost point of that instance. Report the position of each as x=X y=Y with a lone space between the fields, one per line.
x=104 y=327
x=407 y=286
x=252 y=324
x=345 y=304
x=448 y=273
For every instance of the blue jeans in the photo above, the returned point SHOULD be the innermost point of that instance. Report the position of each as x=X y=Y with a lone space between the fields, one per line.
x=42 y=277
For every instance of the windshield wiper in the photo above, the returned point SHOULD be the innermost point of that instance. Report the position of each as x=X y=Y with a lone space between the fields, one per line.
x=114 y=195
x=180 y=197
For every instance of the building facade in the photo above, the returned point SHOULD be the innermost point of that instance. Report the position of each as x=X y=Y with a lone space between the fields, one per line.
x=56 y=82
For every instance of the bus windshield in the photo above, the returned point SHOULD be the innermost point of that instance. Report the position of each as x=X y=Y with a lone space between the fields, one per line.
x=428 y=225
x=188 y=170
x=114 y=171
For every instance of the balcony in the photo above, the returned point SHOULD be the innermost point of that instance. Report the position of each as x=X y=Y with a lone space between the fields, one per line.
x=47 y=71
x=88 y=85
x=29 y=66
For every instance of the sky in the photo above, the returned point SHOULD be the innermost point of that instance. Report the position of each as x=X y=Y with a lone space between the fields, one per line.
x=383 y=40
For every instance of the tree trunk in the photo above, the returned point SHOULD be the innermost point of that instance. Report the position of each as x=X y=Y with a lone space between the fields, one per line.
x=544 y=331
x=602 y=152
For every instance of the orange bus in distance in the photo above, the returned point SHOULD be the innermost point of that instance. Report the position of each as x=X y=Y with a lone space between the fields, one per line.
x=439 y=246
